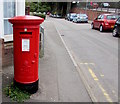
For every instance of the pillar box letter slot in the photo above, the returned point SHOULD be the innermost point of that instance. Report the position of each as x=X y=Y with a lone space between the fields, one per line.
x=26 y=51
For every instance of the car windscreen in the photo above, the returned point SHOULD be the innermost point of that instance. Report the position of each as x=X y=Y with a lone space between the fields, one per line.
x=111 y=17
x=82 y=15
x=73 y=15
x=105 y=4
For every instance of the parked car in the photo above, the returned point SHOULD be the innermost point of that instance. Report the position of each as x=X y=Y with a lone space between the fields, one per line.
x=55 y=15
x=67 y=16
x=105 y=5
x=116 y=29
x=58 y=16
x=104 y=22
x=80 y=18
x=71 y=16
x=95 y=5
x=51 y=15
x=92 y=5
x=117 y=16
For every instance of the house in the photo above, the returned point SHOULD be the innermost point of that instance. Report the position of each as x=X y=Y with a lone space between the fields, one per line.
x=8 y=9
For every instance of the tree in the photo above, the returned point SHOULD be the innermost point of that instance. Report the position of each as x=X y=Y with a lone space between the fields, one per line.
x=53 y=7
x=39 y=6
x=33 y=7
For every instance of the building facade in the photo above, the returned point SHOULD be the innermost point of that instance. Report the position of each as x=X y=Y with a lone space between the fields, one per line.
x=8 y=9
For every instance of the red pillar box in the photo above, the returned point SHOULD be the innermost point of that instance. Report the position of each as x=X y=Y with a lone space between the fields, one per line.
x=26 y=51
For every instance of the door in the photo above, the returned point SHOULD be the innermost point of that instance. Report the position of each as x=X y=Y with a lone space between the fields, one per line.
x=100 y=21
x=96 y=21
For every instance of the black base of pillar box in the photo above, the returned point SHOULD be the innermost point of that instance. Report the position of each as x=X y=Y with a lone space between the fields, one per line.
x=30 y=88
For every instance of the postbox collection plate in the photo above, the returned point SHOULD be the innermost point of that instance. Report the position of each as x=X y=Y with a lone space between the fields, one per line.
x=26 y=45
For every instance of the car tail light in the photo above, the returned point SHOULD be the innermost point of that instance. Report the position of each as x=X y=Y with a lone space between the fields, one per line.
x=106 y=23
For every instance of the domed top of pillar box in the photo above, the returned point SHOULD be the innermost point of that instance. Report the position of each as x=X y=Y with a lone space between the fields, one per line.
x=26 y=20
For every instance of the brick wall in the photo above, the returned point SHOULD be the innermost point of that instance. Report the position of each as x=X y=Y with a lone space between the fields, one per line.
x=91 y=14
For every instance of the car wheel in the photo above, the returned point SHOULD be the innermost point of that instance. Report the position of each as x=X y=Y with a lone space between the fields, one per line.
x=101 y=28
x=114 y=33
x=92 y=26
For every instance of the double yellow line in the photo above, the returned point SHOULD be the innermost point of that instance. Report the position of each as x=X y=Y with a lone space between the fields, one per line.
x=100 y=86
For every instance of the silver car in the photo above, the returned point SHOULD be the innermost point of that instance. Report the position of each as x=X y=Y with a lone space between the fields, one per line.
x=71 y=16
x=80 y=18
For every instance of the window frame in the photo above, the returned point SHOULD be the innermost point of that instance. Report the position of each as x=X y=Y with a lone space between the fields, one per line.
x=5 y=19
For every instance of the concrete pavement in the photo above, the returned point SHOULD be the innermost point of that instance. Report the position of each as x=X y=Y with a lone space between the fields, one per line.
x=59 y=79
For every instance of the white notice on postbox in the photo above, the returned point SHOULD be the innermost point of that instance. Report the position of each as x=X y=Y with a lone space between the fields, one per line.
x=25 y=44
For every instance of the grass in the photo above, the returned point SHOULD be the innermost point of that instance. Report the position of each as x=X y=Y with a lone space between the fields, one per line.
x=15 y=94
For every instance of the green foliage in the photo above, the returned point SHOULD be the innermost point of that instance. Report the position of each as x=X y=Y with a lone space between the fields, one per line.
x=27 y=4
x=39 y=7
x=33 y=7
x=16 y=94
x=40 y=15
x=43 y=10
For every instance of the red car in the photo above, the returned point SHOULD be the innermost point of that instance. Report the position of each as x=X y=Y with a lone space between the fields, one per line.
x=95 y=5
x=104 y=22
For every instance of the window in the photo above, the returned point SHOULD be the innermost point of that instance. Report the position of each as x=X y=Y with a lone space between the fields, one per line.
x=83 y=15
x=106 y=5
x=102 y=17
x=9 y=11
x=99 y=17
x=111 y=17
x=118 y=21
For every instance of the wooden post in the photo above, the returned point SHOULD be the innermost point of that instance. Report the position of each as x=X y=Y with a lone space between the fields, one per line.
x=1 y=51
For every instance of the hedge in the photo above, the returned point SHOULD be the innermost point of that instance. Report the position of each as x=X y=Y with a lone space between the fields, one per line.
x=40 y=15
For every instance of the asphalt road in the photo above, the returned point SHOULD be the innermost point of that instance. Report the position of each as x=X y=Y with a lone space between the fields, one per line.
x=95 y=55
